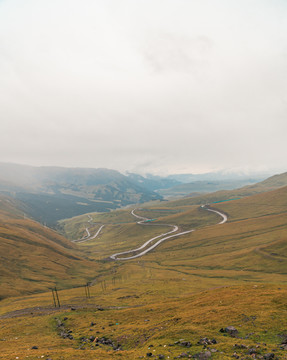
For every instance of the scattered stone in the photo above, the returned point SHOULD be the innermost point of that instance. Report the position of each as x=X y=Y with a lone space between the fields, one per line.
x=160 y=356
x=252 y=351
x=235 y=356
x=203 y=355
x=105 y=341
x=182 y=342
x=73 y=309
x=240 y=346
x=183 y=355
x=93 y=324
x=231 y=330
x=206 y=341
x=185 y=344
x=35 y=347
x=149 y=354
x=65 y=318
x=269 y=356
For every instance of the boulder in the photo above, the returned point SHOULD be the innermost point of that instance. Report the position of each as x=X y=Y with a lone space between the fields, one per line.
x=268 y=356
x=231 y=330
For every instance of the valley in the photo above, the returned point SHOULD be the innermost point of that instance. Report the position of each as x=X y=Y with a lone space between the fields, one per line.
x=226 y=268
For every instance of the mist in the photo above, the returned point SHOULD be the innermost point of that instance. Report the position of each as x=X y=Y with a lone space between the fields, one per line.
x=146 y=86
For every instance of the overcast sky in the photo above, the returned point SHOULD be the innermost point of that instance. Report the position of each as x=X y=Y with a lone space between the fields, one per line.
x=162 y=86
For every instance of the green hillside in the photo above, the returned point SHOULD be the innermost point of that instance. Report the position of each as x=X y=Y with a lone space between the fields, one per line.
x=35 y=258
x=53 y=193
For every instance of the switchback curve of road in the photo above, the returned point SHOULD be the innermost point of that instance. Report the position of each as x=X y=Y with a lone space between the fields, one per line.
x=163 y=237
x=89 y=236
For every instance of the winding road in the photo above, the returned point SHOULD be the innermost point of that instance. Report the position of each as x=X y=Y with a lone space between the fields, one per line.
x=162 y=237
x=89 y=236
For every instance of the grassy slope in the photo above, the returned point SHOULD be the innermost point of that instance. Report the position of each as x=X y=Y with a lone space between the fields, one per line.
x=188 y=288
x=34 y=258
x=257 y=311
x=267 y=185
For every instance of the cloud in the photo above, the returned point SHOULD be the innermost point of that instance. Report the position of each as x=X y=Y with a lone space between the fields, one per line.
x=138 y=85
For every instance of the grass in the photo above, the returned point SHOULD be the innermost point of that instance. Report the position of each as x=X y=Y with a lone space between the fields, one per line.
x=188 y=288
x=35 y=258
x=141 y=326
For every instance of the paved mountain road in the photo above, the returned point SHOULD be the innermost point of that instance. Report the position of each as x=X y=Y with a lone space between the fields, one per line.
x=162 y=237
x=89 y=236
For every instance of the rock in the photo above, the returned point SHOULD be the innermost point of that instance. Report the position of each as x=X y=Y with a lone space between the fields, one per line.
x=240 y=346
x=231 y=330
x=252 y=351
x=149 y=354
x=34 y=347
x=185 y=343
x=203 y=355
x=182 y=342
x=206 y=341
x=268 y=356
x=183 y=355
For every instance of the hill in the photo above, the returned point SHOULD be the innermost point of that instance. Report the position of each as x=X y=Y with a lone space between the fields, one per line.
x=197 y=187
x=175 y=302
x=267 y=185
x=35 y=258
x=240 y=249
x=54 y=193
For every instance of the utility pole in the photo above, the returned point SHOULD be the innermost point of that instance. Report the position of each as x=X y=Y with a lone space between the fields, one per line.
x=57 y=297
x=87 y=291
x=54 y=299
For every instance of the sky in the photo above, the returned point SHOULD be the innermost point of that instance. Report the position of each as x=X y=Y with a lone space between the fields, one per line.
x=147 y=86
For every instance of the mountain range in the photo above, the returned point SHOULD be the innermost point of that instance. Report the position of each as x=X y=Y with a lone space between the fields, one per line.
x=49 y=194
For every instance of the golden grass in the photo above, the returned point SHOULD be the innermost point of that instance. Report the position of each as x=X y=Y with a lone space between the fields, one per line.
x=187 y=288
x=257 y=311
